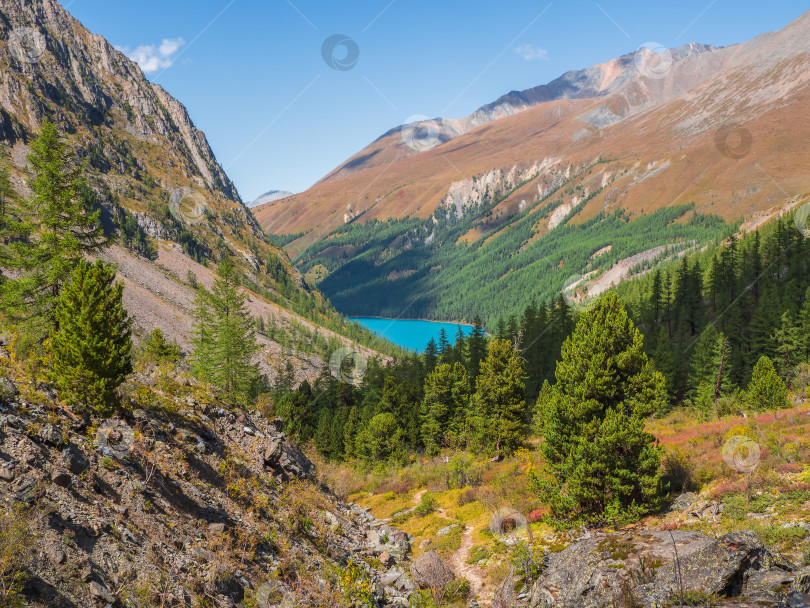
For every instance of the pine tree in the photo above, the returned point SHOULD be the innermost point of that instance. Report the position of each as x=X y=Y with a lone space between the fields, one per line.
x=499 y=403
x=431 y=355
x=60 y=225
x=477 y=349
x=224 y=339
x=159 y=350
x=600 y=460
x=381 y=440
x=447 y=397
x=789 y=347
x=766 y=389
x=92 y=345
x=445 y=351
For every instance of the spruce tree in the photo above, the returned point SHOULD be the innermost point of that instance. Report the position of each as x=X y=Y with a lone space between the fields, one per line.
x=92 y=345
x=600 y=460
x=788 y=340
x=445 y=350
x=477 y=349
x=225 y=339
x=447 y=397
x=431 y=355
x=499 y=404
x=60 y=225
x=766 y=389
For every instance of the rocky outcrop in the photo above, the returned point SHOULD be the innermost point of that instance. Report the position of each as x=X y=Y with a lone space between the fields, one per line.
x=606 y=570
x=481 y=189
x=172 y=493
x=79 y=79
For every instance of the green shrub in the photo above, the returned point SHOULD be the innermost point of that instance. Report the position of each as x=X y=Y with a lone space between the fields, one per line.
x=426 y=506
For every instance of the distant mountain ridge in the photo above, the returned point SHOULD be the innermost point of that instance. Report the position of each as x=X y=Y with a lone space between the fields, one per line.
x=268 y=197
x=719 y=129
x=595 y=81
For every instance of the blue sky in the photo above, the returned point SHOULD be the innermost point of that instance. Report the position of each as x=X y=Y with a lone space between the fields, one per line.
x=252 y=74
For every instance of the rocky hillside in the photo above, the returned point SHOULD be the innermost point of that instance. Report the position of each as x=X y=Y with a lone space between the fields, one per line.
x=161 y=189
x=178 y=502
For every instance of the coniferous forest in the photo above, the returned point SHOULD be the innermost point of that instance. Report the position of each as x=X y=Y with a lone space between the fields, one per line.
x=712 y=323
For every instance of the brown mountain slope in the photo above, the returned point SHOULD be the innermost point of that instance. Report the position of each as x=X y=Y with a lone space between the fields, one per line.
x=723 y=129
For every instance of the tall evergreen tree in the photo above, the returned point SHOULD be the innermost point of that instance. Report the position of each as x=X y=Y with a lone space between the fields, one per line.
x=431 y=355
x=91 y=349
x=788 y=340
x=499 y=404
x=445 y=350
x=9 y=228
x=60 y=225
x=447 y=397
x=600 y=460
x=224 y=339
x=476 y=348
x=460 y=347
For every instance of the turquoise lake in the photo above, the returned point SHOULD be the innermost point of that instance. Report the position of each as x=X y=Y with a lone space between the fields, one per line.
x=410 y=334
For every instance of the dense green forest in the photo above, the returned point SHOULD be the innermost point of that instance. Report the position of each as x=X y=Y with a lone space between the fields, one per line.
x=376 y=267
x=725 y=328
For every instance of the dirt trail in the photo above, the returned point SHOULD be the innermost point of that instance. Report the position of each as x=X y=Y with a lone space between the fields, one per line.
x=459 y=565
x=458 y=560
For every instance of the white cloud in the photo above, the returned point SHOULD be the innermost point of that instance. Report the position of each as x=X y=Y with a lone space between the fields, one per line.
x=152 y=58
x=530 y=53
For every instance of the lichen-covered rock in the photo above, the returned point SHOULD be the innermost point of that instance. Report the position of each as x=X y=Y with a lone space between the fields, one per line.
x=430 y=572
x=600 y=571
x=722 y=568
x=589 y=573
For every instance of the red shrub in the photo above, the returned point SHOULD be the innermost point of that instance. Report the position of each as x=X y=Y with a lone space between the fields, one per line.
x=537 y=515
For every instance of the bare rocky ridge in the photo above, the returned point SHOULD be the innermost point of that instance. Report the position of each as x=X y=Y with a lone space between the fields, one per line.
x=103 y=87
x=592 y=82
